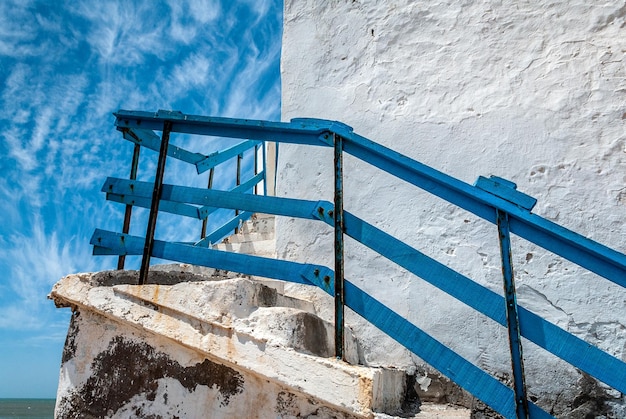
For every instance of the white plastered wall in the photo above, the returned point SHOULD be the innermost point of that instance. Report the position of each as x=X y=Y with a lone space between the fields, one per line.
x=534 y=92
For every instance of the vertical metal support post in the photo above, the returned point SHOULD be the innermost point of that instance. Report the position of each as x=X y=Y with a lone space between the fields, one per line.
x=238 y=179
x=129 y=208
x=209 y=186
x=515 y=341
x=238 y=182
x=339 y=272
x=256 y=167
x=154 y=205
x=264 y=155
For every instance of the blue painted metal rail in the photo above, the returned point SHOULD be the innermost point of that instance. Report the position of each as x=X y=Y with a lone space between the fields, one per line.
x=495 y=200
x=147 y=138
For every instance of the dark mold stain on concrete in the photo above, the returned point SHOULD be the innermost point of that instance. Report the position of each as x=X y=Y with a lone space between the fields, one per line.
x=69 y=349
x=287 y=406
x=312 y=333
x=110 y=278
x=128 y=368
x=411 y=403
x=590 y=402
x=266 y=296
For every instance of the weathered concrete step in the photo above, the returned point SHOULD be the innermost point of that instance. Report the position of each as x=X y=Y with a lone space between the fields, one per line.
x=266 y=248
x=441 y=411
x=233 y=323
x=259 y=223
x=250 y=241
x=434 y=411
x=254 y=237
x=242 y=237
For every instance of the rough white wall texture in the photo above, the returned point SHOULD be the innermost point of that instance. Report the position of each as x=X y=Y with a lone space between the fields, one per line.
x=534 y=92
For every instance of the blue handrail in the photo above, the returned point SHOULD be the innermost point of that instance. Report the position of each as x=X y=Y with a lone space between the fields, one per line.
x=147 y=138
x=495 y=200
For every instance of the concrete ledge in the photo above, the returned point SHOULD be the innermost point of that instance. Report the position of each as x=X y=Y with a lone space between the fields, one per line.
x=235 y=322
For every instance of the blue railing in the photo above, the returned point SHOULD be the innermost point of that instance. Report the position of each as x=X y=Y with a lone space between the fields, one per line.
x=142 y=137
x=495 y=200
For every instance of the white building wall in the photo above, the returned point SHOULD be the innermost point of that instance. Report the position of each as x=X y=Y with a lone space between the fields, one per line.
x=534 y=92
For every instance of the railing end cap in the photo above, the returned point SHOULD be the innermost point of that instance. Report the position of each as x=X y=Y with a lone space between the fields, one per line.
x=506 y=190
x=322 y=123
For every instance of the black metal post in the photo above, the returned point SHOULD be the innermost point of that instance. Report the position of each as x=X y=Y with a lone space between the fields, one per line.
x=129 y=208
x=238 y=182
x=512 y=319
x=256 y=168
x=209 y=186
x=339 y=273
x=154 y=205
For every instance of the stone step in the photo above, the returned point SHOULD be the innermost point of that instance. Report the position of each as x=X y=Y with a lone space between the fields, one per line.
x=442 y=411
x=256 y=237
x=232 y=322
x=266 y=248
x=242 y=237
x=259 y=223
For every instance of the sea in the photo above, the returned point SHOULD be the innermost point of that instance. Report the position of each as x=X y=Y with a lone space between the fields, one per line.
x=27 y=408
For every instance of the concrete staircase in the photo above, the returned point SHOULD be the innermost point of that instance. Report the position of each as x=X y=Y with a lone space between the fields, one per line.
x=199 y=342
x=256 y=237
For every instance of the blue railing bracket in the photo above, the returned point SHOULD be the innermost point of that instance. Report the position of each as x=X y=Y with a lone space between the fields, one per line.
x=324 y=211
x=506 y=190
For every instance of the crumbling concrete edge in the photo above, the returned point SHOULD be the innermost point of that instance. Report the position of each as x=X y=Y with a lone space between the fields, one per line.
x=355 y=390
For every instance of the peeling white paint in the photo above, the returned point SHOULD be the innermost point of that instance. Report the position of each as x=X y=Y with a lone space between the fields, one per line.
x=233 y=323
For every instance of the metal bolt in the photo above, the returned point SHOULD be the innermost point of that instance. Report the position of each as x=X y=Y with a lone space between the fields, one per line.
x=330 y=213
x=327 y=279
x=316 y=272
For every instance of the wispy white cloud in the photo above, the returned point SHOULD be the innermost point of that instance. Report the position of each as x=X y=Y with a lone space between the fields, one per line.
x=252 y=77
x=16 y=37
x=193 y=73
x=38 y=257
x=261 y=8
x=124 y=32
x=21 y=93
x=203 y=11
x=267 y=105
x=13 y=138
x=203 y=57
x=45 y=105
x=188 y=17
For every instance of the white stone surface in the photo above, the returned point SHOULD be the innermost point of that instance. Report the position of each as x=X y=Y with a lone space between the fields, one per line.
x=256 y=236
x=232 y=322
x=534 y=92
x=88 y=380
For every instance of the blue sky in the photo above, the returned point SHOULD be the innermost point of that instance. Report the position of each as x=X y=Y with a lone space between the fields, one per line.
x=64 y=68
